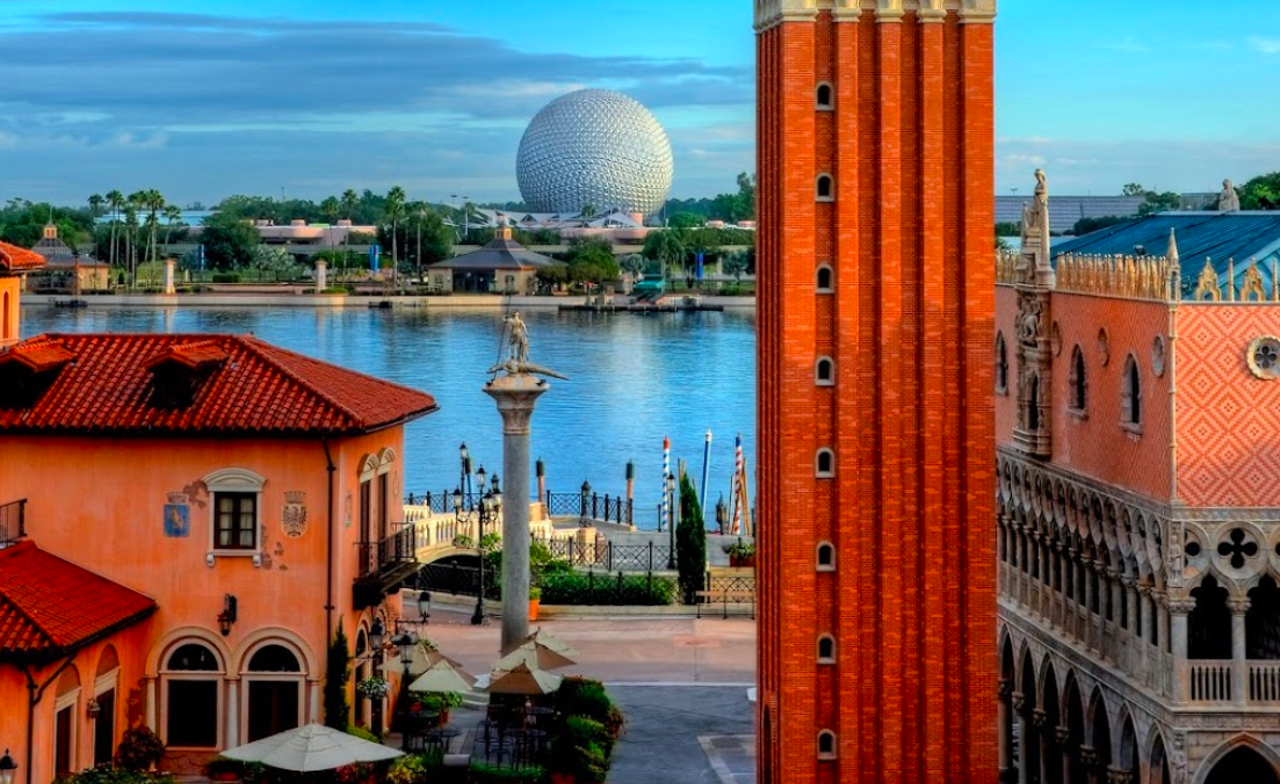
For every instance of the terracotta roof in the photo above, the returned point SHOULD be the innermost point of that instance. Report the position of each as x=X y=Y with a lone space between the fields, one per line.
x=242 y=386
x=39 y=355
x=49 y=606
x=15 y=259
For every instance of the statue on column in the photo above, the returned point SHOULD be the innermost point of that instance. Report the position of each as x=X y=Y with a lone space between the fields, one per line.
x=517 y=340
x=1228 y=200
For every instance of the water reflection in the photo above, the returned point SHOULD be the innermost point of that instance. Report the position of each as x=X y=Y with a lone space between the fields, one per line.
x=633 y=380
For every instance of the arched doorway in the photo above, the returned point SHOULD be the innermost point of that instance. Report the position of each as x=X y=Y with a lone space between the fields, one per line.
x=1243 y=765
x=1101 y=735
x=64 y=723
x=1030 y=726
x=1005 y=713
x=274 y=680
x=192 y=696
x=360 y=673
x=1075 y=771
x=104 y=693
x=1209 y=624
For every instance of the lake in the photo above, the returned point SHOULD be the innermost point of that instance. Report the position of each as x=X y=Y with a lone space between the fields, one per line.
x=633 y=380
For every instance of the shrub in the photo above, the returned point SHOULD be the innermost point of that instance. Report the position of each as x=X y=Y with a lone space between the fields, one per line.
x=108 y=775
x=226 y=277
x=691 y=542
x=438 y=702
x=490 y=774
x=414 y=768
x=363 y=734
x=740 y=549
x=591 y=588
x=586 y=697
x=336 y=290
x=337 y=711
x=139 y=749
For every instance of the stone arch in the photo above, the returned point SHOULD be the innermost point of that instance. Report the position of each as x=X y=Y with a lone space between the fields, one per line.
x=277 y=636
x=1209 y=623
x=1099 y=724
x=1126 y=756
x=1073 y=721
x=386 y=456
x=1262 y=620
x=1157 y=758
x=825 y=555
x=824 y=97
x=1241 y=752
x=824 y=372
x=824 y=463
x=1030 y=744
x=1052 y=711
x=184 y=634
x=825 y=277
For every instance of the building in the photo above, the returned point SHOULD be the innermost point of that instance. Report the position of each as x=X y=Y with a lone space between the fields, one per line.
x=186 y=522
x=876 y=572
x=15 y=264
x=65 y=270
x=503 y=266
x=1138 y=514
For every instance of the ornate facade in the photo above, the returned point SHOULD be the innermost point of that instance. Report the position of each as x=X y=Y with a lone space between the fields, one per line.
x=1138 y=514
x=877 y=575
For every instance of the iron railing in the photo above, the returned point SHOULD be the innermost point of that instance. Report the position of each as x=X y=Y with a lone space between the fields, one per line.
x=398 y=548
x=610 y=556
x=456 y=580
x=604 y=508
x=13 y=521
x=442 y=503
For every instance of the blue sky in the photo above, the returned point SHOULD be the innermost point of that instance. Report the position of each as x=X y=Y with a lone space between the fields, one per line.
x=207 y=98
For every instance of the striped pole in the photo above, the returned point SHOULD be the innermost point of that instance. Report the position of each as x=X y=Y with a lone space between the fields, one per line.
x=706 y=467
x=736 y=516
x=666 y=471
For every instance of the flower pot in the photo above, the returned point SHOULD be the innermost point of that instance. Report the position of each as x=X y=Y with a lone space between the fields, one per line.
x=562 y=778
x=533 y=608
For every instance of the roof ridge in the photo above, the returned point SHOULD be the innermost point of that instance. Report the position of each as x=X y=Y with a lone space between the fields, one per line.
x=255 y=344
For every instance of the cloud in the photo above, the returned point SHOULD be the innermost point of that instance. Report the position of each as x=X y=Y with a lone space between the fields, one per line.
x=1265 y=45
x=210 y=101
x=1129 y=45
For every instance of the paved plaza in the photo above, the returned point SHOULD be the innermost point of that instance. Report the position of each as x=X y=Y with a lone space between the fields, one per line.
x=681 y=682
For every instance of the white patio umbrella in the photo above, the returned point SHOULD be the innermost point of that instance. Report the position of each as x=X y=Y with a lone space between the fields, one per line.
x=536 y=655
x=548 y=641
x=309 y=748
x=443 y=677
x=420 y=661
x=522 y=679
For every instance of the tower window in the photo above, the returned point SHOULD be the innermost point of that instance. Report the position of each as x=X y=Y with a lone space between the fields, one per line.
x=826 y=190
x=825 y=464
x=1077 y=381
x=824 y=372
x=826 y=557
x=826 y=649
x=1131 y=395
x=826 y=745
x=825 y=277
x=1002 y=365
x=824 y=99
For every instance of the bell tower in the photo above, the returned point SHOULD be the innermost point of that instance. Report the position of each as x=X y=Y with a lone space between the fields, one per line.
x=876 y=267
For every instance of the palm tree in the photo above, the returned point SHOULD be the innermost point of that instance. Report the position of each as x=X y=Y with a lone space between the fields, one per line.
x=95 y=206
x=154 y=203
x=419 y=211
x=395 y=211
x=173 y=214
x=350 y=200
x=115 y=200
x=130 y=236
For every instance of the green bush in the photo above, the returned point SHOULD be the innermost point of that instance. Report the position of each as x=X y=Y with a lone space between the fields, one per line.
x=139 y=749
x=604 y=588
x=106 y=775
x=337 y=711
x=437 y=701
x=587 y=698
x=414 y=768
x=336 y=290
x=363 y=734
x=489 y=774
x=691 y=542
x=226 y=277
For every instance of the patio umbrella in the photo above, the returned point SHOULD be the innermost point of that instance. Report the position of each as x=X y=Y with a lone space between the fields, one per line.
x=522 y=679
x=536 y=655
x=309 y=748
x=443 y=677
x=546 y=640
x=420 y=661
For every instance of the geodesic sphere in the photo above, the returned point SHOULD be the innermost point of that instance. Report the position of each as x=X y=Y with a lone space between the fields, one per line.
x=598 y=148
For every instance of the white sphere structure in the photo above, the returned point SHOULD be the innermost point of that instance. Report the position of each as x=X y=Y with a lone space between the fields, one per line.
x=598 y=148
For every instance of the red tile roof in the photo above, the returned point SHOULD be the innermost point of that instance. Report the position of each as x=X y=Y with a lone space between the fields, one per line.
x=15 y=259
x=49 y=606
x=245 y=386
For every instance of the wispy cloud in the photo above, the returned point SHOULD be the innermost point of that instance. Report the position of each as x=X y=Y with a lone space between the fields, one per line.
x=1129 y=45
x=1264 y=44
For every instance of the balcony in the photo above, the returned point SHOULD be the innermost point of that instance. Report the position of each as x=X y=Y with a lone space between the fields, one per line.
x=13 y=522
x=382 y=566
x=1212 y=681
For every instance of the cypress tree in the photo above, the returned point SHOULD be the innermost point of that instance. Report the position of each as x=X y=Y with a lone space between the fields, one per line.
x=691 y=542
x=337 y=712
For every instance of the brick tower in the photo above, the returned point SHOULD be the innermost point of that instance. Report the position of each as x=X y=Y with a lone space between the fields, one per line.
x=876 y=266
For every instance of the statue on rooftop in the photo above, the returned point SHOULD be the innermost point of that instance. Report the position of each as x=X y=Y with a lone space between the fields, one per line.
x=1228 y=200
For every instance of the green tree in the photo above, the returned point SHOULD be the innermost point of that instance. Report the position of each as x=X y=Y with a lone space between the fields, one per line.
x=395 y=212
x=1261 y=193
x=691 y=542
x=593 y=265
x=1159 y=202
x=1008 y=228
x=115 y=200
x=349 y=202
x=634 y=264
x=735 y=264
x=337 y=711
x=685 y=220
x=666 y=247
x=229 y=242
x=331 y=208
x=1089 y=225
x=1133 y=189
x=172 y=214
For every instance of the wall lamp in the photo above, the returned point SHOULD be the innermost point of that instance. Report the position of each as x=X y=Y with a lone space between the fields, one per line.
x=225 y=618
x=7 y=767
x=93 y=709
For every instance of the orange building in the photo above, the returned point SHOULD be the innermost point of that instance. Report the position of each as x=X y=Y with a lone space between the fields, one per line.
x=876 y=164
x=234 y=503
x=1138 y=505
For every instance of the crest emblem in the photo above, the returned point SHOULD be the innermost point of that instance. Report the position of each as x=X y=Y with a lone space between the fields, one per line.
x=294 y=516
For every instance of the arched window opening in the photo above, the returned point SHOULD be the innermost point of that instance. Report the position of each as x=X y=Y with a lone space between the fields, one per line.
x=826 y=188
x=1002 y=365
x=274 y=686
x=4 y=317
x=1131 y=394
x=824 y=97
x=1076 y=380
x=274 y=658
x=1262 y=621
x=104 y=692
x=1033 y=404
x=65 y=723
x=1209 y=624
x=825 y=464
x=826 y=649
x=825 y=275
x=359 y=673
x=191 y=693
x=826 y=557
x=824 y=372
x=1242 y=764
x=826 y=745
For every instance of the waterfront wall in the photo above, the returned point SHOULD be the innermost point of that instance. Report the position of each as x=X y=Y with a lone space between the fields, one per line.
x=336 y=301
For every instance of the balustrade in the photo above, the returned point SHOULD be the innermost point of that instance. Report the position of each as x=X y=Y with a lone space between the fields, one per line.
x=1210 y=680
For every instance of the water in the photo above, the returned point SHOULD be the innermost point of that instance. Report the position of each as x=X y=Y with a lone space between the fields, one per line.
x=633 y=380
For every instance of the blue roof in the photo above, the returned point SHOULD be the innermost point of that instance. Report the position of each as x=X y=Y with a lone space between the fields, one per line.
x=1221 y=236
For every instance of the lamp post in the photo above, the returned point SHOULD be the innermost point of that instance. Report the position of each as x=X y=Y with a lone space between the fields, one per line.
x=722 y=515
x=585 y=490
x=484 y=511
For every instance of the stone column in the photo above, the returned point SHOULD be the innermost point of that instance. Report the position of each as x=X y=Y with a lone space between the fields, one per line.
x=1087 y=636
x=1089 y=763
x=1004 y=753
x=168 y=276
x=313 y=701
x=1040 y=720
x=1063 y=736
x=1035 y=573
x=1239 y=652
x=1024 y=737
x=1132 y=642
x=1178 y=610
x=322 y=276
x=1070 y=603
x=1117 y=775
x=233 y=714
x=515 y=395
x=1145 y=662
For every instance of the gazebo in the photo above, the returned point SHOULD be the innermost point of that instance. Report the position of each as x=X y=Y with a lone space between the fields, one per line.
x=504 y=266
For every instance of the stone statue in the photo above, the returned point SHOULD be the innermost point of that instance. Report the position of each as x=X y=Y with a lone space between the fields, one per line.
x=1228 y=200
x=518 y=346
x=1035 y=214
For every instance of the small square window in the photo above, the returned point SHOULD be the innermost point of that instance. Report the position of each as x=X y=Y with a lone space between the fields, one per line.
x=235 y=521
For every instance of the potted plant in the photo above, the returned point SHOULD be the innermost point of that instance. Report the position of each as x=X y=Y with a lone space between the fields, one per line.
x=223 y=769
x=535 y=601
x=139 y=749
x=439 y=702
x=374 y=688
x=741 y=554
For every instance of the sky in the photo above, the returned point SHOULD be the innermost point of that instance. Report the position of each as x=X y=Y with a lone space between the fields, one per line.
x=207 y=98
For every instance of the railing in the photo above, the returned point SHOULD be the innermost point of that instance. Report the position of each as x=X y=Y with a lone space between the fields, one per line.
x=1264 y=681
x=1210 y=681
x=442 y=503
x=609 y=556
x=606 y=508
x=13 y=521
x=401 y=547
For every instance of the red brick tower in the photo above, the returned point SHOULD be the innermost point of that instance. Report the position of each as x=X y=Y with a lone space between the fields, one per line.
x=876 y=263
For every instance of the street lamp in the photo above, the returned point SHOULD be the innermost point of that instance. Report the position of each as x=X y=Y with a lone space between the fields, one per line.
x=424 y=605
x=722 y=514
x=585 y=490
x=7 y=767
x=482 y=510
x=377 y=634
x=405 y=642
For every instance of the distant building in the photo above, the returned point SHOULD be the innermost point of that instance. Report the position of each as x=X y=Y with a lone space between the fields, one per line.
x=66 y=270
x=503 y=266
